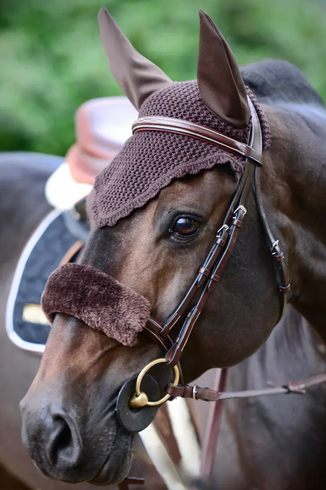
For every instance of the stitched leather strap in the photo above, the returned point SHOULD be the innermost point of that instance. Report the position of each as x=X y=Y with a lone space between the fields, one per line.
x=209 y=395
x=234 y=216
x=197 y=131
x=277 y=254
x=213 y=427
x=210 y=271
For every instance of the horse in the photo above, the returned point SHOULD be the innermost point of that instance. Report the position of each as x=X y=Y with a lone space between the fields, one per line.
x=70 y=427
x=19 y=367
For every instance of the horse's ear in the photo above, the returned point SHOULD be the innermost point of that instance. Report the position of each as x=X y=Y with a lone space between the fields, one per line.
x=219 y=78
x=136 y=76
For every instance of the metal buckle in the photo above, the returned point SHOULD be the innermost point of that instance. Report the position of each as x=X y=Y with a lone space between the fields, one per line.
x=219 y=232
x=194 y=392
x=140 y=399
x=275 y=244
x=242 y=208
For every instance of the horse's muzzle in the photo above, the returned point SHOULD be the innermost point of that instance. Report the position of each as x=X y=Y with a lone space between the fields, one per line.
x=54 y=442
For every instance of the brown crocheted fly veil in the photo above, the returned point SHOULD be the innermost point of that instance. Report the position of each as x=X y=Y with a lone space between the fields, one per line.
x=150 y=160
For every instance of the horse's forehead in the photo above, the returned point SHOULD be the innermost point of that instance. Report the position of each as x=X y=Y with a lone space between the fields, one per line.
x=198 y=192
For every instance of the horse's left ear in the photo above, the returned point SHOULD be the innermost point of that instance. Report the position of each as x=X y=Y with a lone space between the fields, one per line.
x=219 y=78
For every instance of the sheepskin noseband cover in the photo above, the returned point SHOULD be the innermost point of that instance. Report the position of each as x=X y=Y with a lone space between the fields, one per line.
x=97 y=299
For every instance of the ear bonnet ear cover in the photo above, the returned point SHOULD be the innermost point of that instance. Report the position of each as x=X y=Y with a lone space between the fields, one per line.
x=151 y=160
x=97 y=299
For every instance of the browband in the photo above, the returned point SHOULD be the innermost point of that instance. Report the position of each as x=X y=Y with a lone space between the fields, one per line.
x=197 y=131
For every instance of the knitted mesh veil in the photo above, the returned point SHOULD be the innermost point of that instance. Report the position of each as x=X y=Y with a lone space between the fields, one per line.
x=150 y=160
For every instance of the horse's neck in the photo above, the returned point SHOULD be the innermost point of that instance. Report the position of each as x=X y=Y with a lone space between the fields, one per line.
x=295 y=349
x=274 y=435
x=296 y=193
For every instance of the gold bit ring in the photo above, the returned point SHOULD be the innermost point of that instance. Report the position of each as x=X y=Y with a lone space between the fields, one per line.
x=140 y=399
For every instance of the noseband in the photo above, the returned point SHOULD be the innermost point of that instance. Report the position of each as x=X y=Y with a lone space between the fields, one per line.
x=210 y=272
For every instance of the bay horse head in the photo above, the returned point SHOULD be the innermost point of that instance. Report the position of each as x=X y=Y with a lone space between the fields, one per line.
x=172 y=201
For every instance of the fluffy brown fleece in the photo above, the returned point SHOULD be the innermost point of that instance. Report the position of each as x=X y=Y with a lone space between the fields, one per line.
x=97 y=299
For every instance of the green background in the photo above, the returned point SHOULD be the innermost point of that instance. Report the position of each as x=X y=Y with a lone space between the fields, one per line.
x=51 y=58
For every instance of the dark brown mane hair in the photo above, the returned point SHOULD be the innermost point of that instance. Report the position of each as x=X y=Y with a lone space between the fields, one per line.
x=275 y=81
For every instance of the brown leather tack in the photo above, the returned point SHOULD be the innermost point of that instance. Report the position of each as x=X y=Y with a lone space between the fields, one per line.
x=218 y=257
x=195 y=392
x=198 y=131
x=204 y=271
x=220 y=241
x=216 y=261
x=237 y=222
x=215 y=277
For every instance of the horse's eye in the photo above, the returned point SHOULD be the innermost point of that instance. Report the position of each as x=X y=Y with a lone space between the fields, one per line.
x=185 y=227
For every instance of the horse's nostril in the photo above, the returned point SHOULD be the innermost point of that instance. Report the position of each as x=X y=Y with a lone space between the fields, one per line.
x=64 y=447
x=63 y=438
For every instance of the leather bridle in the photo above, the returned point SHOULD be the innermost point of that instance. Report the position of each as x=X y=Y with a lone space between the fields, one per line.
x=210 y=272
x=209 y=275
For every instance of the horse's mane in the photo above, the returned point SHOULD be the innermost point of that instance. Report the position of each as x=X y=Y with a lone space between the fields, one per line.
x=274 y=81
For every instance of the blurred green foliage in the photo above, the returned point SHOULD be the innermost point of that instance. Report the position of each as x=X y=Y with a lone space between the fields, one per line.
x=51 y=58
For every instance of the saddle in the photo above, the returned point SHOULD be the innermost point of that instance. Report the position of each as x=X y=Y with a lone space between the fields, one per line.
x=56 y=240
x=102 y=126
